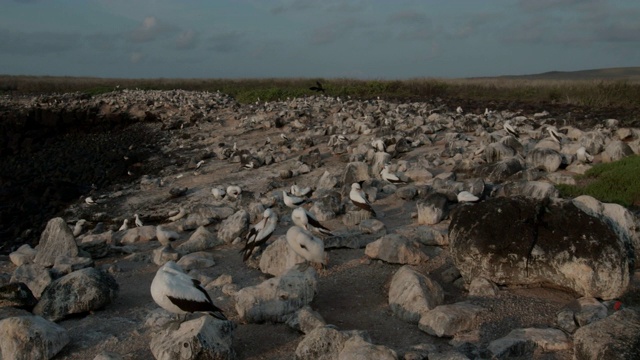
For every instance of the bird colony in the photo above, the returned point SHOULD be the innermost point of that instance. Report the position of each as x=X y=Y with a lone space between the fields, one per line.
x=327 y=227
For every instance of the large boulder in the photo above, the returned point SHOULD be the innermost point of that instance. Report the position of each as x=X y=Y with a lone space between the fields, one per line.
x=520 y=241
x=56 y=239
x=234 y=226
x=79 y=292
x=412 y=294
x=616 y=337
x=31 y=337
x=396 y=249
x=279 y=257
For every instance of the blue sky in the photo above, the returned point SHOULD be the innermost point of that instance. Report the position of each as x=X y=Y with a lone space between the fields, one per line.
x=392 y=39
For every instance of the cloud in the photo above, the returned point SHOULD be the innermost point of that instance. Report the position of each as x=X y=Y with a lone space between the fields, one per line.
x=226 y=41
x=406 y=17
x=336 y=30
x=34 y=43
x=186 y=40
x=150 y=30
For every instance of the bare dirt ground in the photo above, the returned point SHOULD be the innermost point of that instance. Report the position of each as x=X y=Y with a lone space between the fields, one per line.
x=352 y=292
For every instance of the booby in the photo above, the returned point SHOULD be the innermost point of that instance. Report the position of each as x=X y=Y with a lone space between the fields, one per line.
x=555 y=135
x=297 y=191
x=179 y=215
x=510 y=129
x=459 y=110
x=583 y=156
x=307 y=221
x=234 y=191
x=260 y=233
x=138 y=221
x=379 y=145
x=389 y=176
x=359 y=198
x=175 y=291
x=306 y=245
x=218 y=192
x=125 y=225
x=465 y=196
x=291 y=200
x=89 y=200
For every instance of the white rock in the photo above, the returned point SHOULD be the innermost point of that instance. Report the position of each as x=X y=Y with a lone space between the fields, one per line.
x=411 y=294
x=396 y=249
x=278 y=257
x=31 y=337
x=448 y=320
x=56 y=239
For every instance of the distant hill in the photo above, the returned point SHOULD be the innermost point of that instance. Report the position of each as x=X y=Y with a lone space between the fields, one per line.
x=622 y=73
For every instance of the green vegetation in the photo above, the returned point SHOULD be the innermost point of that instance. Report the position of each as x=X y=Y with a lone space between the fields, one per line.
x=589 y=93
x=611 y=182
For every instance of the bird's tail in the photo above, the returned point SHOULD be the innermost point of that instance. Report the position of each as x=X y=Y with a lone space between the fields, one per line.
x=218 y=315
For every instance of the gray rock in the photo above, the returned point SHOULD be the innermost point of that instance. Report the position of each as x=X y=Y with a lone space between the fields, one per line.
x=372 y=226
x=411 y=294
x=97 y=246
x=396 y=249
x=67 y=264
x=274 y=299
x=407 y=193
x=615 y=151
x=323 y=343
x=591 y=310
x=354 y=172
x=500 y=171
x=36 y=277
x=447 y=355
x=495 y=152
x=201 y=239
x=448 y=320
x=522 y=342
x=566 y=320
x=615 y=337
x=197 y=260
x=31 y=337
x=379 y=160
x=350 y=240
x=139 y=234
x=17 y=295
x=204 y=214
x=108 y=355
x=305 y=320
x=201 y=338
x=357 y=348
x=539 y=242
x=327 y=181
x=432 y=210
x=278 y=257
x=23 y=255
x=79 y=292
x=532 y=189
x=327 y=206
x=426 y=235
x=593 y=141
x=544 y=158
x=163 y=254
x=482 y=287
x=56 y=239
x=418 y=175
x=234 y=226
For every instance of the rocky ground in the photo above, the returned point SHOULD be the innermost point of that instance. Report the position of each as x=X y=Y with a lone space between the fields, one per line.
x=177 y=146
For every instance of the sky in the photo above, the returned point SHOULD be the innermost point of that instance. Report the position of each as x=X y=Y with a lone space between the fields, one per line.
x=375 y=39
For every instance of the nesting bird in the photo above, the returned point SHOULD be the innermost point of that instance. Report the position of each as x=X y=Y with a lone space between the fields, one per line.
x=510 y=129
x=175 y=291
x=359 y=198
x=297 y=191
x=307 y=221
x=555 y=135
x=583 y=156
x=379 y=145
x=89 y=200
x=260 y=233
x=292 y=201
x=234 y=191
x=218 y=193
x=387 y=175
x=306 y=245
x=465 y=196
x=179 y=215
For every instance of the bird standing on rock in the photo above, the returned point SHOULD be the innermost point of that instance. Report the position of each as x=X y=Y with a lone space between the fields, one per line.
x=359 y=198
x=307 y=221
x=125 y=225
x=291 y=200
x=306 y=245
x=260 y=233
x=389 y=176
x=175 y=291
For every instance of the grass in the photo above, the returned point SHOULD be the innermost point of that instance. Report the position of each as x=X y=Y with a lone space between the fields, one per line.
x=615 y=182
x=589 y=93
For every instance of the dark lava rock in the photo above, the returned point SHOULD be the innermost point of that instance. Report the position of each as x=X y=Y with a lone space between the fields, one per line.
x=17 y=295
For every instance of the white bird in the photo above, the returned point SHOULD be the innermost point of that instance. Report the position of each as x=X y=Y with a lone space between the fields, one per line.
x=165 y=236
x=459 y=110
x=260 y=233
x=306 y=245
x=510 y=129
x=175 y=291
x=389 y=176
x=379 y=145
x=465 y=196
x=307 y=221
x=291 y=200
x=555 y=135
x=179 y=215
x=138 y=221
x=199 y=164
x=297 y=191
x=79 y=226
x=218 y=193
x=125 y=225
x=89 y=200
x=234 y=191
x=284 y=137
x=359 y=198
x=583 y=156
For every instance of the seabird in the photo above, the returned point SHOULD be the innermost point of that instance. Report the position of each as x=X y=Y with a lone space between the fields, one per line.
x=465 y=196
x=138 y=221
x=297 y=191
x=555 y=135
x=459 y=110
x=199 y=164
x=379 y=145
x=89 y=200
x=510 y=129
x=389 y=176
x=179 y=293
x=218 y=193
x=284 y=137
x=318 y=88
x=234 y=191
x=359 y=198
x=79 y=226
x=125 y=225
x=583 y=156
x=165 y=236
x=260 y=233
x=307 y=221
x=292 y=201
x=306 y=245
